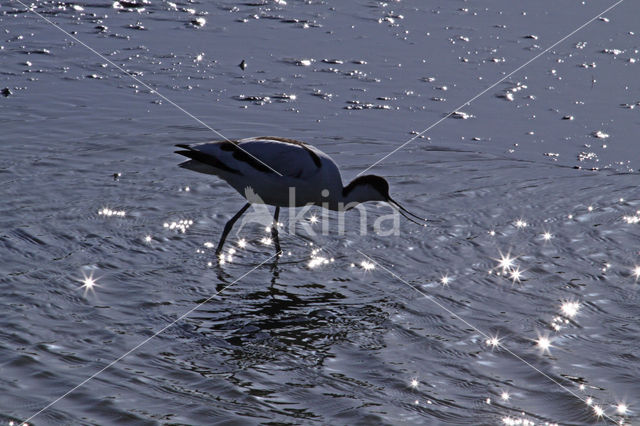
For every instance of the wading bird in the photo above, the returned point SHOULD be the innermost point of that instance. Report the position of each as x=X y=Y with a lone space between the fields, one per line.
x=283 y=173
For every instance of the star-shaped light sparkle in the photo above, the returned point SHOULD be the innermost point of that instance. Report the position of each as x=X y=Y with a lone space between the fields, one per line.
x=570 y=309
x=544 y=344
x=515 y=274
x=506 y=262
x=598 y=410
x=88 y=283
x=493 y=341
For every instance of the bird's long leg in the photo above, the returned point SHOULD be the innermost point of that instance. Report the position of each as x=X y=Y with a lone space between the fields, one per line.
x=274 y=230
x=228 y=226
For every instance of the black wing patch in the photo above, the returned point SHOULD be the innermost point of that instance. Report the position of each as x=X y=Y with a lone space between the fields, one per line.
x=316 y=160
x=241 y=155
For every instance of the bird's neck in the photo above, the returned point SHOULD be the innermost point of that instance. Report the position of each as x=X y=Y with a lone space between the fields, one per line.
x=352 y=196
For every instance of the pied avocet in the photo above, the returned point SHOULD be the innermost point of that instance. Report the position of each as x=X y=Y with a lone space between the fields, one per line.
x=283 y=173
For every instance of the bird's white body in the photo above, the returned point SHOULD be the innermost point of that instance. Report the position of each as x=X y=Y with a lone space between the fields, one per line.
x=281 y=172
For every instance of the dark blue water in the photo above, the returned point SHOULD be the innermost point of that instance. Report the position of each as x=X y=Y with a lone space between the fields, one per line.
x=343 y=329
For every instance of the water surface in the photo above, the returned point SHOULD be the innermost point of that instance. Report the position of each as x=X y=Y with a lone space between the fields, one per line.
x=91 y=188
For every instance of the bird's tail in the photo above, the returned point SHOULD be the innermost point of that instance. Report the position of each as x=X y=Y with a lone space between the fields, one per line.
x=202 y=162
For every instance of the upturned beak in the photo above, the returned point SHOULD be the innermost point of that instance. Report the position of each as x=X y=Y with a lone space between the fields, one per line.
x=406 y=213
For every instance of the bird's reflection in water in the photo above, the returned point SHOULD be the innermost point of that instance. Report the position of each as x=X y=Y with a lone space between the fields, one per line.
x=294 y=317
x=276 y=337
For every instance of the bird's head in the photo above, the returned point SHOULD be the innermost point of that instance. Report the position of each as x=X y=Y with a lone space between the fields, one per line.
x=375 y=188
x=367 y=188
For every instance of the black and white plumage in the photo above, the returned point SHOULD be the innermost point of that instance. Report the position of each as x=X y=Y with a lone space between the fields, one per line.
x=283 y=173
